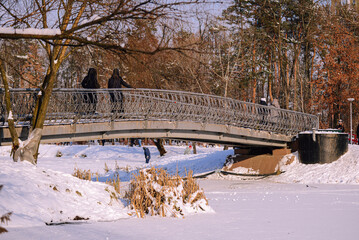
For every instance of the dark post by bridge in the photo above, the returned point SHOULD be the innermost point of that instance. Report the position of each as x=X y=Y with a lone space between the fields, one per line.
x=79 y=114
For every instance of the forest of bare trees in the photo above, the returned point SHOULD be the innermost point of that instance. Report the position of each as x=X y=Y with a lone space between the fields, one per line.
x=304 y=53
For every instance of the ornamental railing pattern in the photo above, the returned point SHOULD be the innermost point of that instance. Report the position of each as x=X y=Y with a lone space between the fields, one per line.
x=72 y=106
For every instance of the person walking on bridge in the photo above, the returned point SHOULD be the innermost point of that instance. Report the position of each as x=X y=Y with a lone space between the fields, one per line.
x=90 y=82
x=340 y=126
x=116 y=97
x=263 y=112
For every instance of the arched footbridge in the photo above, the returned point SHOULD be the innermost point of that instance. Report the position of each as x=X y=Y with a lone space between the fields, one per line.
x=78 y=115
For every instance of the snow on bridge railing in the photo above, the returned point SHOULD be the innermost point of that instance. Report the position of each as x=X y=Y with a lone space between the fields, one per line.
x=71 y=106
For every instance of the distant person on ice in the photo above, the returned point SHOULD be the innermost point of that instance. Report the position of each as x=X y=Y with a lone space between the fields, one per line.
x=90 y=82
x=147 y=154
x=340 y=126
x=116 y=98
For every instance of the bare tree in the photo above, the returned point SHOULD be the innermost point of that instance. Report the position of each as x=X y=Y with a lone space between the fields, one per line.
x=62 y=26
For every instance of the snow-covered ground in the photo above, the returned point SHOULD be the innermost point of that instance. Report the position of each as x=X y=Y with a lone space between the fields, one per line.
x=319 y=201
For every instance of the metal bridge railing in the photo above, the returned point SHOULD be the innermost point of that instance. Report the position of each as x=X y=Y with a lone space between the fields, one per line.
x=71 y=106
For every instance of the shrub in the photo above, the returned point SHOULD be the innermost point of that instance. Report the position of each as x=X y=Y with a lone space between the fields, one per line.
x=154 y=192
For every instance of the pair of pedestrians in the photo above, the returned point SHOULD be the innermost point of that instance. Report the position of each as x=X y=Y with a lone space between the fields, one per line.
x=116 y=97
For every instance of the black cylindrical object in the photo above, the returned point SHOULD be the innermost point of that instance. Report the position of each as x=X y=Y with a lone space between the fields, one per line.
x=321 y=147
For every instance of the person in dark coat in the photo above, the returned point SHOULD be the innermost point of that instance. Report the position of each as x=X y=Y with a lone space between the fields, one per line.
x=358 y=131
x=340 y=126
x=263 y=102
x=90 y=82
x=116 y=97
x=263 y=111
x=147 y=154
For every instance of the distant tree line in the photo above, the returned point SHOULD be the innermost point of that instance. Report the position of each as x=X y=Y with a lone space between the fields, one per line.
x=302 y=52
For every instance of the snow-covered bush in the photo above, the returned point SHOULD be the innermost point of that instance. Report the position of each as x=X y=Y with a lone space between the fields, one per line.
x=154 y=192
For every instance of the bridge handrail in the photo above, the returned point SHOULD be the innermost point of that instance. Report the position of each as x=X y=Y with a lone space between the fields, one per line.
x=71 y=106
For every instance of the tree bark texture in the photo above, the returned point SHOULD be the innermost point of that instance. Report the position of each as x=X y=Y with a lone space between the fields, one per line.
x=159 y=144
x=10 y=120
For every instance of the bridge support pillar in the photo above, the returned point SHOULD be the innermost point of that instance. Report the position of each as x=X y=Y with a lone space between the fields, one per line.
x=256 y=161
x=323 y=146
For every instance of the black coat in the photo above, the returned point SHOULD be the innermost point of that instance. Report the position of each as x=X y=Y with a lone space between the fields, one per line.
x=340 y=127
x=90 y=82
x=117 y=82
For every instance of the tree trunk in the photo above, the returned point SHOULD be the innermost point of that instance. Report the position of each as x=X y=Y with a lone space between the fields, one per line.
x=194 y=148
x=254 y=86
x=276 y=79
x=287 y=82
x=295 y=69
x=10 y=119
x=42 y=103
x=159 y=144
x=270 y=80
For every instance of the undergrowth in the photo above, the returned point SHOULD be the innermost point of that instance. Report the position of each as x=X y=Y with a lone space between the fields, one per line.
x=87 y=175
x=155 y=192
x=4 y=219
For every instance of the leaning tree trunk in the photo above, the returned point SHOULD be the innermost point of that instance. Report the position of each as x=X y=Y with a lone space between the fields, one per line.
x=40 y=110
x=29 y=149
x=10 y=119
x=159 y=144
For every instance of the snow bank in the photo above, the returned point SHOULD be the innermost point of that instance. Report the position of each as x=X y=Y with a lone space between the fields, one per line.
x=344 y=170
x=41 y=194
x=37 y=196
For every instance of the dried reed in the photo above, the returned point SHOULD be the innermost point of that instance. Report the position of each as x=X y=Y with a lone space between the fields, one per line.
x=4 y=219
x=82 y=174
x=154 y=192
x=106 y=168
x=87 y=175
x=115 y=183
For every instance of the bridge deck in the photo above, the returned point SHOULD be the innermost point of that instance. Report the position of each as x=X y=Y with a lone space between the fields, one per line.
x=77 y=114
x=212 y=133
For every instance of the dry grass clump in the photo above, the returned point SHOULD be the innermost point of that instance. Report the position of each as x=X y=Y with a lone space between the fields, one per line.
x=4 y=219
x=107 y=169
x=87 y=175
x=115 y=183
x=154 y=192
x=191 y=191
x=82 y=174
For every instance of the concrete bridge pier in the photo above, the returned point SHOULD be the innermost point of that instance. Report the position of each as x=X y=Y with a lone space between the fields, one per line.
x=257 y=161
